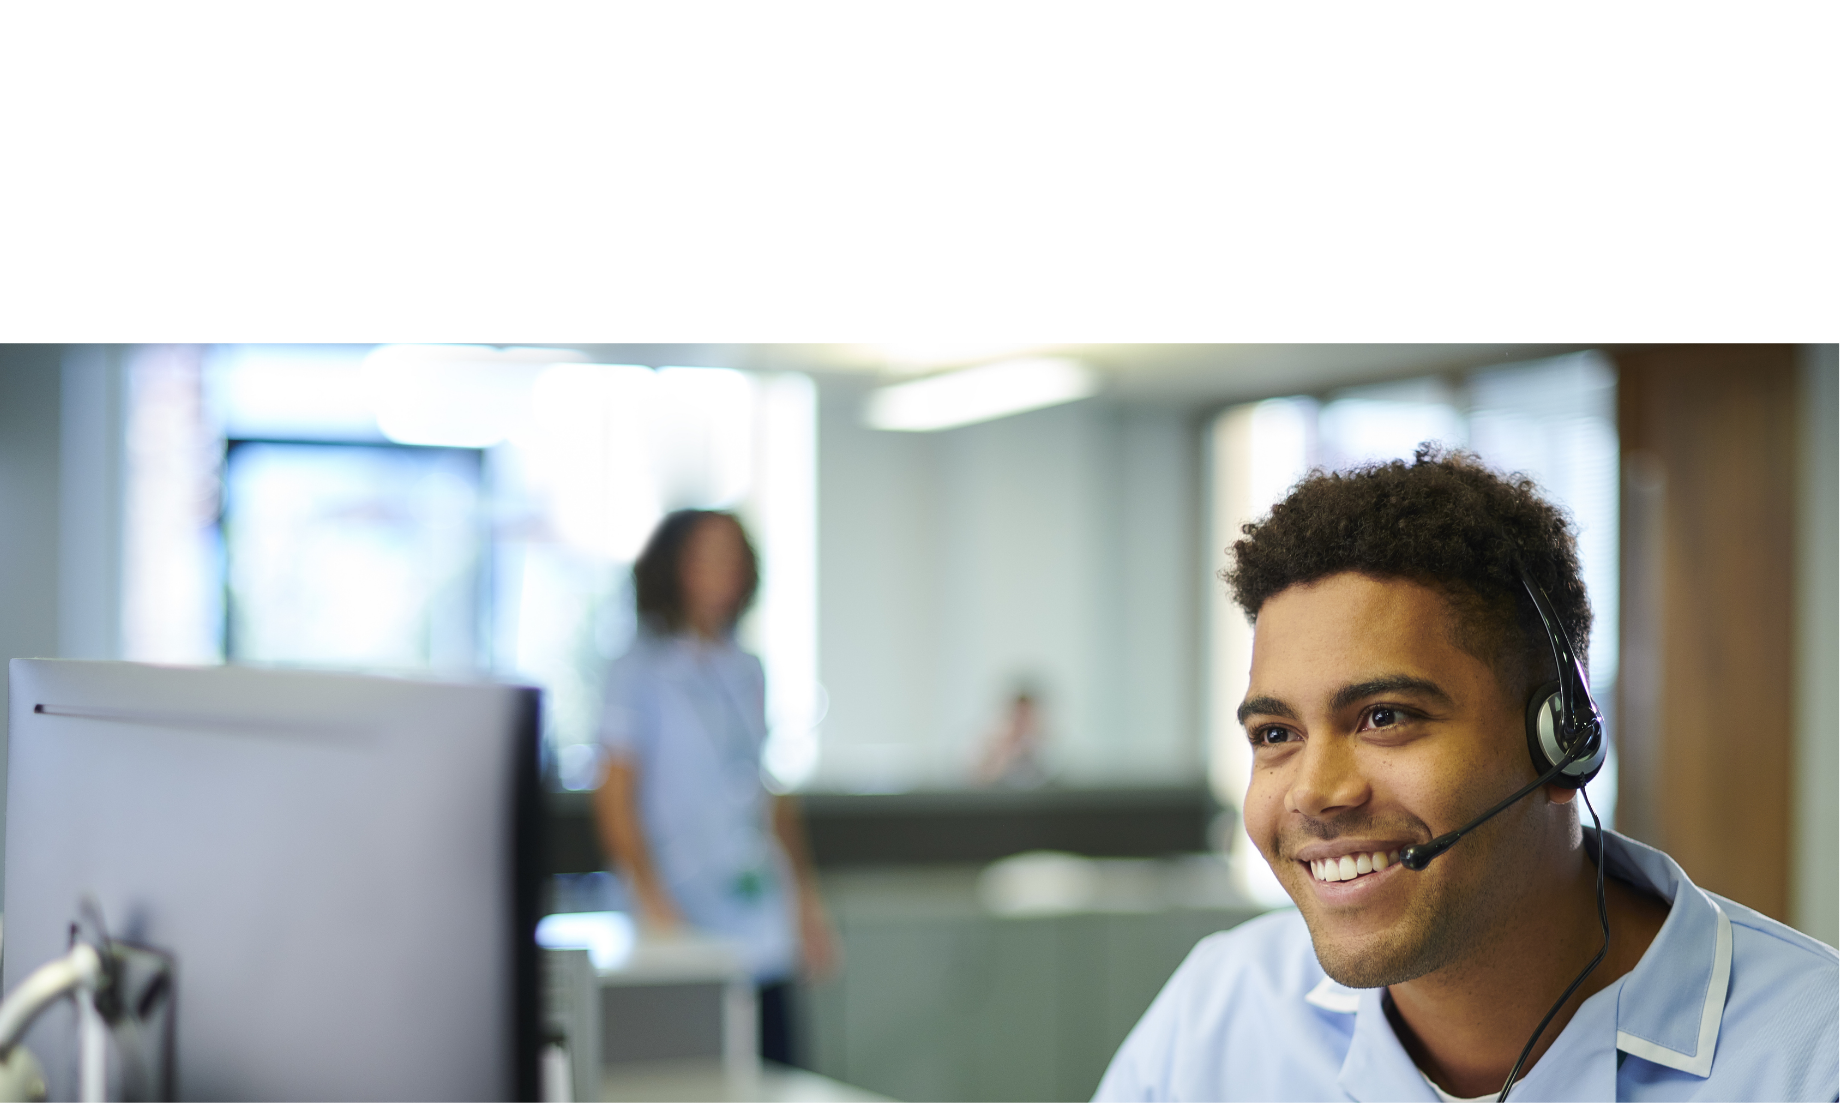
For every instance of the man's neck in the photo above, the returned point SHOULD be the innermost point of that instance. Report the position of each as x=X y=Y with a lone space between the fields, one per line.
x=1464 y=1025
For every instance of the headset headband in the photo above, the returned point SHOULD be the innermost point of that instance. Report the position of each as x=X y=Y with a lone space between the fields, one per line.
x=1580 y=716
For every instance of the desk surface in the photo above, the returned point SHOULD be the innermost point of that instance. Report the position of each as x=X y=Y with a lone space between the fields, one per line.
x=670 y=1081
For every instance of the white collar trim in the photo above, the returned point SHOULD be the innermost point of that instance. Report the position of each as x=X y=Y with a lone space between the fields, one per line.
x=1331 y=996
x=1699 y=1062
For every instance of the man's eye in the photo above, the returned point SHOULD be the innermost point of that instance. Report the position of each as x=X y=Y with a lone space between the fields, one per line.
x=1265 y=737
x=1382 y=717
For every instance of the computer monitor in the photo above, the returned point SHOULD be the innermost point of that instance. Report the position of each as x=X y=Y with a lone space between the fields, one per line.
x=344 y=868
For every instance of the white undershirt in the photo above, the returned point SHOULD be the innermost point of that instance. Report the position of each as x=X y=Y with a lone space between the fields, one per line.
x=1449 y=1098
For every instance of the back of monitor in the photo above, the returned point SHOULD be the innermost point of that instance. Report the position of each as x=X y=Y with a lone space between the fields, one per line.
x=343 y=867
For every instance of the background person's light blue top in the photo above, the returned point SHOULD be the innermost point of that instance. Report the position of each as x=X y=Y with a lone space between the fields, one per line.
x=691 y=716
x=1726 y=1004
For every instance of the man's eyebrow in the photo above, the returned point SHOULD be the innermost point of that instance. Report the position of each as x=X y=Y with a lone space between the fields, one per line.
x=1265 y=706
x=1391 y=683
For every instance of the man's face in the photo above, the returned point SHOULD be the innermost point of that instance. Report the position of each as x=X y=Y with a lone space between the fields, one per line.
x=1371 y=730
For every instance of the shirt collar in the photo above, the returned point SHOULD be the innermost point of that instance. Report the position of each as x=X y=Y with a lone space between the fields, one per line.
x=1668 y=1010
x=1377 y=1065
x=1673 y=1001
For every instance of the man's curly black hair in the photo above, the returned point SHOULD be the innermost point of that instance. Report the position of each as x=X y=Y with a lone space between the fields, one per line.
x=1444 y=520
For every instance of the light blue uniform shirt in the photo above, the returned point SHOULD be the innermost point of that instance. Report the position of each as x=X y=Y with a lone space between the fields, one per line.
x=691 y=716
x=1726 y=1004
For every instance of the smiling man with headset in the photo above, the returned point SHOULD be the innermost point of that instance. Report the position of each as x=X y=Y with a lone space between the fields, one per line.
x=1421 y=728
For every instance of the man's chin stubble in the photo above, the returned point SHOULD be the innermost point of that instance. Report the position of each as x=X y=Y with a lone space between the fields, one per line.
x=1416 y=944
x=1433 y=933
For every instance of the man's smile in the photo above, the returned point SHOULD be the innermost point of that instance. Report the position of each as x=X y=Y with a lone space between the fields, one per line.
x=1346 y=870
x=1347 y=867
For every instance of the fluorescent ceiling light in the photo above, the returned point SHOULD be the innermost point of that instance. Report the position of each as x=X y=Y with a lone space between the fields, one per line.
x=979 y=394
x=292 y=392
x=458 y=396
x=919 y=356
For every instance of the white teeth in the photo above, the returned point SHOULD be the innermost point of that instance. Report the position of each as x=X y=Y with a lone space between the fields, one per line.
x=1350 y=866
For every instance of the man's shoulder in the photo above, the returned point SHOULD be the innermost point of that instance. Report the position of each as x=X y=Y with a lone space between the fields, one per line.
x=1238 y=1020
x=1268 y=956
x=1772 y=966
x=1782 y=961
x=1782 y=1008
x=1278 y=930
x=1777 y=939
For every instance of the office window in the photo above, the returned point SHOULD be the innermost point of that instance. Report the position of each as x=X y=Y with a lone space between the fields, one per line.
x=461 y=512
x=353 y=555
x=1553 y=419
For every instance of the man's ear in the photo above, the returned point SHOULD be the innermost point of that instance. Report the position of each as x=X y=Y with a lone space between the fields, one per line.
x=1560 y=794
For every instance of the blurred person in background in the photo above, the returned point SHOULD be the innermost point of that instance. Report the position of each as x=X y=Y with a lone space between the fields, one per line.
x=681 y=808
x=1013 y=756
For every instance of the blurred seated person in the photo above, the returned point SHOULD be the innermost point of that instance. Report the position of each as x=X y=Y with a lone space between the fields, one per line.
x=1013 y=753
x=693 y=833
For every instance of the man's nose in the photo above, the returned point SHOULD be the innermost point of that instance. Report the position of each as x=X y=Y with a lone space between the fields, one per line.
x=1328 y=780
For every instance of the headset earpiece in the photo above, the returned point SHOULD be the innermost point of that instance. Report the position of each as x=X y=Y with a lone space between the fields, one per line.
x=1554 y=712
x=1545 y=721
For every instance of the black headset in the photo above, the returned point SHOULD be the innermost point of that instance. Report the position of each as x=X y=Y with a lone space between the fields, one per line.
x=1565 y=730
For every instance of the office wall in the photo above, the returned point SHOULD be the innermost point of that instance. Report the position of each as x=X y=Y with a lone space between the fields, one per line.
x=61 y=444
x=60 y=509
x=1814 y=903
x=30 y=386
x=92 y=423
x=1057 y=546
